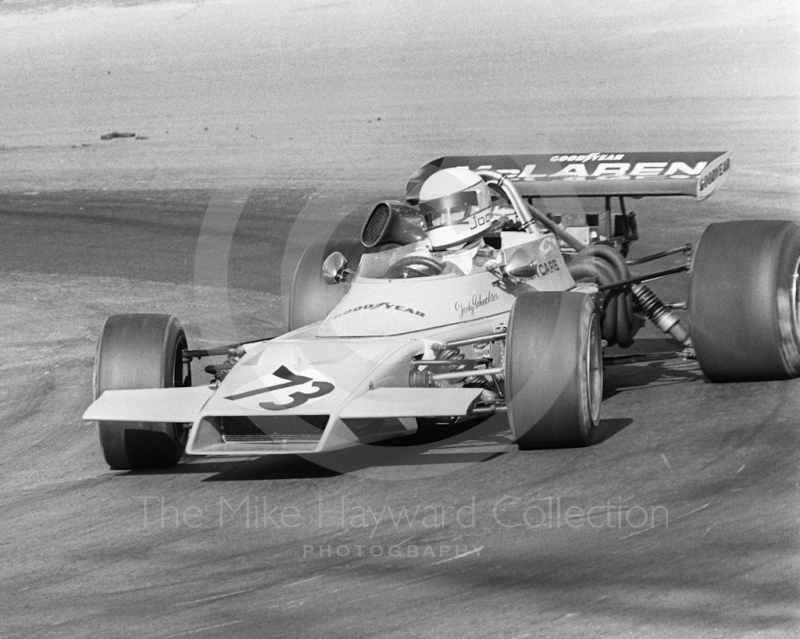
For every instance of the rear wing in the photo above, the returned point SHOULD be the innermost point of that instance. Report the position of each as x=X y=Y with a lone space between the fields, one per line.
x=696 y=174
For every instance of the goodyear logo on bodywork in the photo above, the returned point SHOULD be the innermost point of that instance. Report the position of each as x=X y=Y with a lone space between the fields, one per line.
x=386 y=305
x=714 y=174
x=589 y=157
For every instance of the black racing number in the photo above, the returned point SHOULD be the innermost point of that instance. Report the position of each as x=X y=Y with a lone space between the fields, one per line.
x=299 y=398
x=292 y=379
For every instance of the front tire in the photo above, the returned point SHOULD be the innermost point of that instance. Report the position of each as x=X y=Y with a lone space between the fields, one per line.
x=141 y=351
x=744 y=301
x=554 y=370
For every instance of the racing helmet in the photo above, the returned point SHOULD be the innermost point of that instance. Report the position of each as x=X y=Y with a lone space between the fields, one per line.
x=455 y=207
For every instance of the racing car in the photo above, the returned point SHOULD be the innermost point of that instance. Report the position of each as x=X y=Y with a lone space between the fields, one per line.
x=386 y=336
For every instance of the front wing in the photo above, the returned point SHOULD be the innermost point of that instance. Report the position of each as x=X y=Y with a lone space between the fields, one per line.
x=376 y=415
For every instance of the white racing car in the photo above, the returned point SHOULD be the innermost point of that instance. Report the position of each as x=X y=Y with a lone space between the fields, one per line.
x=387 y=336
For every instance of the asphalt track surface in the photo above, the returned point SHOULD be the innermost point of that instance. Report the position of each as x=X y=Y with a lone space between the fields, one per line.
x=681 y=521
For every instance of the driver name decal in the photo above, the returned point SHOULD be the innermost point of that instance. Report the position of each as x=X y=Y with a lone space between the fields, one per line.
x=475 y=302
x=386 y=305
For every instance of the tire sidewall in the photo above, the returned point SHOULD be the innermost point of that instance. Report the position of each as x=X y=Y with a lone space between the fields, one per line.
x=551 y=338
x=743 y=326
x=155 y=367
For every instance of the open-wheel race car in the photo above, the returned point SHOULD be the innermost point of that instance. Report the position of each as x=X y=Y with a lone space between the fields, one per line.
x=462 y=301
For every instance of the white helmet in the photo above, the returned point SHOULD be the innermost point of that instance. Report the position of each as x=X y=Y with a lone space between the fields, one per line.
x=455 y=206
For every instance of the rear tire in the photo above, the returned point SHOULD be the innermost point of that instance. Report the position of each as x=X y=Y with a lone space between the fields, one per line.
x=554 y=370
x=311 y=298
x=141 y=351
x=744 y=301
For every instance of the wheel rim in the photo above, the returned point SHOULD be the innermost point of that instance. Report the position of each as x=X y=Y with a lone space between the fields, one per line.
x=594 y=372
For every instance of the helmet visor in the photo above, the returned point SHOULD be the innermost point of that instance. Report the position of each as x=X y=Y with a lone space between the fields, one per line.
x=448 y=210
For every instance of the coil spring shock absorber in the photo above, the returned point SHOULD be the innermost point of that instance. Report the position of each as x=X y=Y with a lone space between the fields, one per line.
x=477 y=381
x=473 y=381
x=658 y=313
x=605 y=266
x=424 y=378
x=451 y=353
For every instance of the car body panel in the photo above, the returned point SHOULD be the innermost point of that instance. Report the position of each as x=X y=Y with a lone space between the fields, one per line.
x=375 y=307
x=353 y=390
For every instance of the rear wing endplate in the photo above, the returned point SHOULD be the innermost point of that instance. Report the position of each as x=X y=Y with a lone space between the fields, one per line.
x=696 y=174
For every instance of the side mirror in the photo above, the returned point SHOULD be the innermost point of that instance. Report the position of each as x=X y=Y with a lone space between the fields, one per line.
x=520 y=266
x=334 y=268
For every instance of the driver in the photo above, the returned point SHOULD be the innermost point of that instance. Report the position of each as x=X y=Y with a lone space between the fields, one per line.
x=456 y=209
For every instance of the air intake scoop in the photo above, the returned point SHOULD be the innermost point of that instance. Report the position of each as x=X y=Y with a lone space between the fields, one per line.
x=392 y=223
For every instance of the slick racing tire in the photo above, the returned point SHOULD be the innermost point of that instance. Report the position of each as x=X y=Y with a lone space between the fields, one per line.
x=141 y=351
x=311 y=298
x=744 y=301
x=554 y=370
